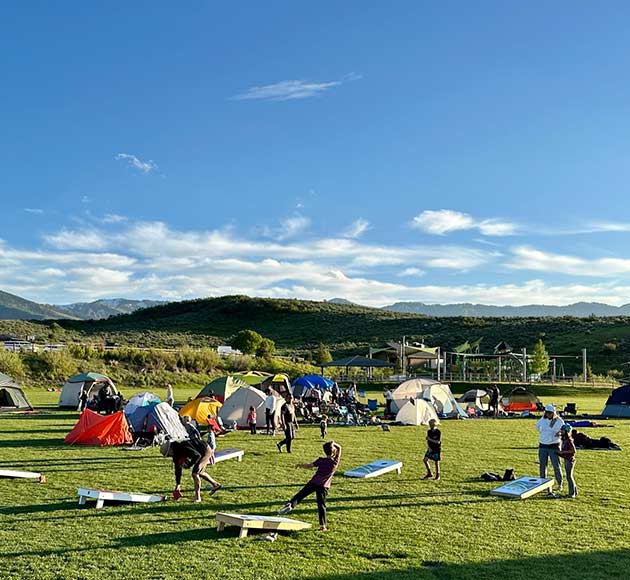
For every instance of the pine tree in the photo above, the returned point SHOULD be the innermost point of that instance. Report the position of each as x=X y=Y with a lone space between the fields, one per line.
x=540 y=359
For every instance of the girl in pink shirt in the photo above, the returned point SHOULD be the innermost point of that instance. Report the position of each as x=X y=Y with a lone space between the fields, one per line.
x=251 y=421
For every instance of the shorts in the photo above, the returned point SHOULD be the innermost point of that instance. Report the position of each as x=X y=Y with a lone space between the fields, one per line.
x=433 y=455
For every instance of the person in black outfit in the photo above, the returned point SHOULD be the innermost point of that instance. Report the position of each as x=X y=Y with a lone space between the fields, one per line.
x=288 y=422
x=495 y=395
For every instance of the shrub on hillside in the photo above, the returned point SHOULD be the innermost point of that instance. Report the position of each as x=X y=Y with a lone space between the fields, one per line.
x=51 y=365
x=11 y=364
x=247 y=341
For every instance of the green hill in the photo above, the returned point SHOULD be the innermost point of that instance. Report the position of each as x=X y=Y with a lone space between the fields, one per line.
x=15 y=308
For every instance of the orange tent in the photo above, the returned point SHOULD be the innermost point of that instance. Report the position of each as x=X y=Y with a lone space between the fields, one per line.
x=99 y=430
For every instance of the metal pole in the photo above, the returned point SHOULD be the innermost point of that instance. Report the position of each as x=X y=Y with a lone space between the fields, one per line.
x=499 y=368
x=524 y=351
x=438 y=364
x=584 y=369
x=553 y=376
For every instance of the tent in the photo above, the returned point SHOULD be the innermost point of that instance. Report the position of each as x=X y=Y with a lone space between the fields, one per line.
x=199 y=409
x=141 y=400
x=520 y=399
x=303 y=385
x=279 y=383
x=236 y=407
x=478 y=399
x=418 y=412
x=618 y=404
x=12 y=397
x=222 y=387
x=252 y=378
x=158 y=417
x=91 y=381
x=100 y=430
x=438 y=394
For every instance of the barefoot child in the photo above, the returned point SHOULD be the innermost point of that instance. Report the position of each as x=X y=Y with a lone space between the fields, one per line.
x=320 y=482
x=434 y=450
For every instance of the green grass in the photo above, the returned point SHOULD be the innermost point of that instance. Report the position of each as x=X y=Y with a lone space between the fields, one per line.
x=391 y=527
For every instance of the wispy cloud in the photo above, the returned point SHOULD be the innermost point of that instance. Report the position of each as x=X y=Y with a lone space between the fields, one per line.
x=288 y=228
x=34 y=210
x=291 y=89
x=444 y=221
x=357 y=228
x=113 y=218
x=133 y=161
x=411 y=272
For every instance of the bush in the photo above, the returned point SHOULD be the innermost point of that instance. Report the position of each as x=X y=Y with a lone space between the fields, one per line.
x=266 y=348
x=52 y=365
x=11 y=364
x=247 y=341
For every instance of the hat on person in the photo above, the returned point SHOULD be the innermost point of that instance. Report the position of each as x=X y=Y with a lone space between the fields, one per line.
x=566 y=427
x=550 y=409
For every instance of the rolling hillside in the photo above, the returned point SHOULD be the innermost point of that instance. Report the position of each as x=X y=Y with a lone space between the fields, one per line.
x=13 y=307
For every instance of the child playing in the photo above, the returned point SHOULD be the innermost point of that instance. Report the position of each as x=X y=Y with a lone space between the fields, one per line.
x=251 y=421
x=323 y=426
x=320 y=482
x=567 y=452
x=434 y=450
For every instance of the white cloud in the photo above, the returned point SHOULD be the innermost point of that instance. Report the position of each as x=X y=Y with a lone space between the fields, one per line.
x=291 y=90
x=133 y=161
x=444 y=221
x=34 y=210
x=357 y=228
x=288 y=228
x=411 y=272
x=77 y=240
x=526 y=258
x=113 y=218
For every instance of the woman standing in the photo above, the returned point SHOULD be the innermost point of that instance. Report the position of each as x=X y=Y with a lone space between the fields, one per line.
x=549 y=427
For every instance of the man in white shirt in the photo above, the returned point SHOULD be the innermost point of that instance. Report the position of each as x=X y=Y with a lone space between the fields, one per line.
x=270 y=407
x=388 y=395
x=549 y=428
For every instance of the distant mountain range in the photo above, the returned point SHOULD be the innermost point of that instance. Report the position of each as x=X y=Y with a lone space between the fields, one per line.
x=13 y=307
x=579 y=310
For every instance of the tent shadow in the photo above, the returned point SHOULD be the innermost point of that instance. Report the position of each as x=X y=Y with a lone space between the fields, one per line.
x=21 y=443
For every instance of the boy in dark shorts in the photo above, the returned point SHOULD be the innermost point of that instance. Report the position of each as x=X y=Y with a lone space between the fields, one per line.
x=320 y=482
x=434 y=450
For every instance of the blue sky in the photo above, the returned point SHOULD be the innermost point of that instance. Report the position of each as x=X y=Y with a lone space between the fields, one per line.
x=429 y=151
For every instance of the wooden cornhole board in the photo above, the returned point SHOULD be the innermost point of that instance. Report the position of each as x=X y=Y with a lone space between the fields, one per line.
x=374 y=469
x=267 y=523
x=22 y=475
x=101 y=496
x=226 y=454
x=523 y=487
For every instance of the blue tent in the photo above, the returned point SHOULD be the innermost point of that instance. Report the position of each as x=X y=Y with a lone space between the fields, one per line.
x=618 y=404
x=303 y=385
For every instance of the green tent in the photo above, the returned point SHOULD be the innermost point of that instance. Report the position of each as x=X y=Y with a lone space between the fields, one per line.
x=11 y=396
x=222 y=387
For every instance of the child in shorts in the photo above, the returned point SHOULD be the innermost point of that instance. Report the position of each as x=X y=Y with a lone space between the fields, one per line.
x=434 y=450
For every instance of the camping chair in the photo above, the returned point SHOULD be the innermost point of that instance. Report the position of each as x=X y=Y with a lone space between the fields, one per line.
x=570 y=409
x=372 y=404
x=361 y=394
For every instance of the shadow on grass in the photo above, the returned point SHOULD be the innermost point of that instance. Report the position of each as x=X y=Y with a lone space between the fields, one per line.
x=600 y=565
x=21 y=443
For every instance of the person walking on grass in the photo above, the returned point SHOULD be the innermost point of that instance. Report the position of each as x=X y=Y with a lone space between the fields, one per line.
x=549 y=427
x=319 y=484
x=251 y=420
x=170 y=397
x=288 y=423
x=434 y=450
x=270 y=406
x=567 y=452
x=323 y=426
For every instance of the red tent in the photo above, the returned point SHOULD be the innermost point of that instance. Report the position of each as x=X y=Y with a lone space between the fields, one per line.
x=99 y=430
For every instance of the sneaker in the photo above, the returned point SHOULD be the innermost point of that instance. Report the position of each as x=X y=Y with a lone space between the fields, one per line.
x=428 y=476
x=215 y=489
x=323 y=529
x=197 y=500
x=437 y=478
x=279 y=447
x=271 y=538
x=285 y=509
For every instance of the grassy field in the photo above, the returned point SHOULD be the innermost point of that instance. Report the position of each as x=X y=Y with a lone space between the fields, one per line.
x=391 y=527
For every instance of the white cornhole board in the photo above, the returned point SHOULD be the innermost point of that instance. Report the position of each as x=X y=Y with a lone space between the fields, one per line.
x=375 y=469
x=226 y=454
x=22 y=475
x=101 y=496
x=523 y=487
x=249 y=522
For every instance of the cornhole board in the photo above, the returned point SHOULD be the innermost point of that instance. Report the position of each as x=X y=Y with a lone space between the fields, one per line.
x=374 y=469
x=22 y=475
x=249 y=522
x=523 y=487
x=101 y=496
x=226 y=454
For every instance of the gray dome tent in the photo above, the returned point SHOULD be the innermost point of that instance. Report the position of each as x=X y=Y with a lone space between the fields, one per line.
x=12 y=397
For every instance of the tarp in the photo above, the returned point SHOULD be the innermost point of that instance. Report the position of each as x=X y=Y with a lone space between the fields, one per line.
x=199 y=409
x=236 y=407
x=222 y=387
x=618 y=404
x=100 y=430
x=71 y=391
x=420 y=412
x=12 y=397
x=519 y=400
